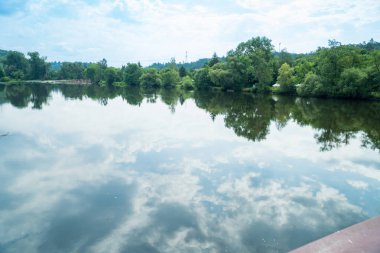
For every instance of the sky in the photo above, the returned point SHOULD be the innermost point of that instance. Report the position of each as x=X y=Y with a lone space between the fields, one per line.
x=150 y=31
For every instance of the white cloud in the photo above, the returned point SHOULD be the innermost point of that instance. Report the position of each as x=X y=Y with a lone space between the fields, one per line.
x=358 y=184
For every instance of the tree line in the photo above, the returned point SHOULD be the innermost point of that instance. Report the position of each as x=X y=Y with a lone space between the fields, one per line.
x=334 y=71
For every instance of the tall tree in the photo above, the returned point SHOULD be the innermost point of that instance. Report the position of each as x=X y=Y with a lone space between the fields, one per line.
x=38 y=67
x=214 y=60
x=182 y=72
x=15 y=65
x=132 y=73
x=285 y=78
x=169 y=77
x=202 y=78
x=258 y=51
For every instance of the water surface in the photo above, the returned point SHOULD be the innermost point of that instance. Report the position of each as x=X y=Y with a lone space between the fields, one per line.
x=88 y=169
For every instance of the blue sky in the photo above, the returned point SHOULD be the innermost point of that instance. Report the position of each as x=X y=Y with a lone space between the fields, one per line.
x=155 y=30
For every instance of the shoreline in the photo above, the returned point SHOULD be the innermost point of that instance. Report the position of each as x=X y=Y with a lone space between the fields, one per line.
x=87 y=82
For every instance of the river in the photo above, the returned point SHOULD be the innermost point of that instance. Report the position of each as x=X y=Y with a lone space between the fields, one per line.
x=90 y=169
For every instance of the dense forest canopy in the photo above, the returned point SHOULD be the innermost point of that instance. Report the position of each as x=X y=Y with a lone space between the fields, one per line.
x=334 y=71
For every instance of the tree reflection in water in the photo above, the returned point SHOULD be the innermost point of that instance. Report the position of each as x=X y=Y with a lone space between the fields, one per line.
x=336 y=122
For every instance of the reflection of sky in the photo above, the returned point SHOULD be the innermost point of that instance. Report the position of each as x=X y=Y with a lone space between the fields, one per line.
x=80 y=177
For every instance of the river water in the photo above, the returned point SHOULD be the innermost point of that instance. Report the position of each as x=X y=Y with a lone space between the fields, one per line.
x=89 y=169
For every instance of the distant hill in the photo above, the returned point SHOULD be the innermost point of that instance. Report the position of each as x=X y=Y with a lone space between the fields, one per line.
x=56 y=65
x=188 y=65
x=3 y=53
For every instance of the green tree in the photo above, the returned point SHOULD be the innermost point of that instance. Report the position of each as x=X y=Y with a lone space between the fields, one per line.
x=374 y=71
x=285 y=79
x=132 y=73
x=222 y=77
x=170 y=77
x=112 y=75
x=302 y=66
x=285 y=57
x=93 y=72
x=15 y=65
x=187 y=83
x=331 y=62
x=312 y=86
x=214 y=60
x=258 y=51
x=71 y=70
x=352 y=83
x=241 y=70
x=150 y=79
x=38 y=68
x=202 y=78
x=182 y=72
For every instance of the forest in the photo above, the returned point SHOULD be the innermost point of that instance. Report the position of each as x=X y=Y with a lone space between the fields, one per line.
x=348 y=71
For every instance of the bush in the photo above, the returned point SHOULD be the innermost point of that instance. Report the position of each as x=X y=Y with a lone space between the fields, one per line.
x=5 y=79
x=187 y=83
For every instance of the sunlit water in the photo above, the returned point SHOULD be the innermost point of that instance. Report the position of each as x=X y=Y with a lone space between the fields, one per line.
x=94 y=170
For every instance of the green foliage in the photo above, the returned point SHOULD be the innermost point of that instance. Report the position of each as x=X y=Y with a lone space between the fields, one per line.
x=285 y=57
x=302 y=66
x=112 y=75
x=214 y=60
x=332 y=61
x=352 y=83
x=222 y=77
x=340 y=71
x=38 y=68
x=202 y=79
x=5 y=79
x=334 y=71
x=3 y=54
x=256 y=46
x=312 y=86
x=258 y=52
x=132 y=73
x=15 y=65
x=182 y=72
x=150 y=78
x=187 y=83
x=2 y=73
x=187 y=65
x=241 y=70
x=93 y=73
x=285 y=79
x=169 y=77
x=71 y=70
x=374 y=71
x=119 y=84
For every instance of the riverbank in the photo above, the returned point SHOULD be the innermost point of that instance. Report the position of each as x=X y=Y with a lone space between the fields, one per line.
x=66 y=82
x=271 y=90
